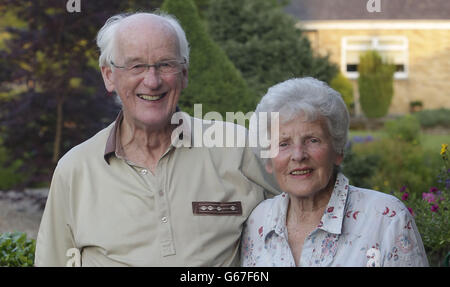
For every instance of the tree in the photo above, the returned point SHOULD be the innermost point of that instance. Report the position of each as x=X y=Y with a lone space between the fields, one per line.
x=343 y=85
x=263 y=42
x=53 y=96
x=375 y=84
x=213 y=80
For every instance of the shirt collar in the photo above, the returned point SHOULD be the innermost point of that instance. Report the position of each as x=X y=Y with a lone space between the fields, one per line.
x=333 y=215
x=114 y=146
x=331 y=220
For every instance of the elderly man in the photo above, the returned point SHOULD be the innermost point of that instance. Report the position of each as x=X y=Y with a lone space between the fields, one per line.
x=130 y=196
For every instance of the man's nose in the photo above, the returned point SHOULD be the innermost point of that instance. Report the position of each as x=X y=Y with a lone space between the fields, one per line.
x=152 y=78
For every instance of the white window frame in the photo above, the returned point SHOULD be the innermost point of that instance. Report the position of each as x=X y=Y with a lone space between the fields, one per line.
x=374 y=45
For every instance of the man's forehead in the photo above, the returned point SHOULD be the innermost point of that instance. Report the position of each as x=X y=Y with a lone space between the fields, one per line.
x=146 y=33
x=144 y=23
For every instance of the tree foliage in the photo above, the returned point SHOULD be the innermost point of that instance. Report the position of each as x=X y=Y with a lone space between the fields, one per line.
x=263 y=42
x=52 y=93
x=375 y=84
x=213 y=80
x=343 y=85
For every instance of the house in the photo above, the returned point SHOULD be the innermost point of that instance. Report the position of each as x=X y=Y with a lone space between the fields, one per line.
x=412 y=34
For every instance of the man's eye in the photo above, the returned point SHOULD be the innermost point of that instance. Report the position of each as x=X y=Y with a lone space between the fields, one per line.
x=314 y=140
x=138 y=66
x=164 y=65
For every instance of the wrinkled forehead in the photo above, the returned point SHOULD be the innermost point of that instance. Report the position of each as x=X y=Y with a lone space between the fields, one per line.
x=146 y=31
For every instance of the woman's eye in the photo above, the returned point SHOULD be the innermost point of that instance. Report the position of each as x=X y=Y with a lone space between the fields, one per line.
x=283 y=144
x=314 y=140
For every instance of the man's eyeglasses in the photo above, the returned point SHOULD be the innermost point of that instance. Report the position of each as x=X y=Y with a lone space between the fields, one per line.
x=165 y=67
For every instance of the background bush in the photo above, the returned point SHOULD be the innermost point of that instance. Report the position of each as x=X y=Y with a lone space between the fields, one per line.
x=345 y=87
x=16 y=250
x=213 y=79
x=375 y=83
x=406 y=128
x=433 y=118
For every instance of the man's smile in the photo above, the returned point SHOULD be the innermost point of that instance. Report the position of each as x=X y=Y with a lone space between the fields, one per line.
x=151 y=98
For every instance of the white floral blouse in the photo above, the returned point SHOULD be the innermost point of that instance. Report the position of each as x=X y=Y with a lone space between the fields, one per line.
x=359 y=227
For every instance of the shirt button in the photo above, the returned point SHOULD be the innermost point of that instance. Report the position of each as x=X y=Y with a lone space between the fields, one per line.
x=161 y=193
x=164 y=219
x=144 y=172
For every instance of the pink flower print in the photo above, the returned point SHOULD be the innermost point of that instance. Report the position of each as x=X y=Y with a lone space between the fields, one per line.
x=411 y=211
x=330 y=209
x=404 y=243
x=260 y=231
x=329 y=246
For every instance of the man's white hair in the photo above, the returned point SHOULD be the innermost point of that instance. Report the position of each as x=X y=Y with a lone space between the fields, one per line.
x=107 y=34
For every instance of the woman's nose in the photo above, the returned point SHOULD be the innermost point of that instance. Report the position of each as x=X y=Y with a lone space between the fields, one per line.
x=299 y=153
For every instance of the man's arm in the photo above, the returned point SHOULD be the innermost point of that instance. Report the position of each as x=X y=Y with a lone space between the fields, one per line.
x=252 y=167
x=55 y=236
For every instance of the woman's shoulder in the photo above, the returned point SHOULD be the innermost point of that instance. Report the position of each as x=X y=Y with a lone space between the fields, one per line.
x=378 y=202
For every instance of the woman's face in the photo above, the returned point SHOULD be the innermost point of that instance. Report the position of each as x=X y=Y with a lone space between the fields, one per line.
x=305 y=162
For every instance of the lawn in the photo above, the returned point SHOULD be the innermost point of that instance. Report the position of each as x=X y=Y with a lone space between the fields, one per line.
x=430 y=142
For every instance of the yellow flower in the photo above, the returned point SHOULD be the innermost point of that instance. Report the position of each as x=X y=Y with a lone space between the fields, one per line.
x=444 y=148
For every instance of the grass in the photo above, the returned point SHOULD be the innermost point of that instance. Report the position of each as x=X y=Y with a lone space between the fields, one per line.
x=430 y=142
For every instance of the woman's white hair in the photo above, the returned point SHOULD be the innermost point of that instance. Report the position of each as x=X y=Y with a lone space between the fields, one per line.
x=313 y=99
x=106 y=36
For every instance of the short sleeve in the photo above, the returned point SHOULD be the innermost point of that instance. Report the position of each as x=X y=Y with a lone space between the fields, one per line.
x=55 y=236
x=402 y=243
x=252 y=167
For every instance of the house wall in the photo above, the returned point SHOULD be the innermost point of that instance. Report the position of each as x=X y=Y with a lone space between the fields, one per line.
x=429 y=58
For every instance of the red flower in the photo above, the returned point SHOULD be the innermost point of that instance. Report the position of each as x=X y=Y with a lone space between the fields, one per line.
x=434 y=208
x=433 y=189
x=405 y=196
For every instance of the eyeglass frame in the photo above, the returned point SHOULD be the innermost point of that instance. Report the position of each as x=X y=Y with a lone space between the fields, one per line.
x=148 y=66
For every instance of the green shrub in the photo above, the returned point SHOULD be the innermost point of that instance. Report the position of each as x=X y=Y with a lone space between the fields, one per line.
x=16 y=250
x=433 y=118
x=406 y=128
x=431 y=211
x=359 y=168
x=343 y=85
x=10 y=174
x=375 y=84
x=400 y=163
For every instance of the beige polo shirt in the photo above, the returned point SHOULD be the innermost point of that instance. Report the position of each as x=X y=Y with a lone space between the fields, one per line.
x=190 y=212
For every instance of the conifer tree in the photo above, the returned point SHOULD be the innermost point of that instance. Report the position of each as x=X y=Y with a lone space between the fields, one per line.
x=214 y=82
x=263 y=43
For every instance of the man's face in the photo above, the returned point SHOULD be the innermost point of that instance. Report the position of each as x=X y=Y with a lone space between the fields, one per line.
x=150 y=98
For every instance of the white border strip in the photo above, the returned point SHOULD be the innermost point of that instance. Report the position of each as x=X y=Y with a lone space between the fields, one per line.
x=375 y=25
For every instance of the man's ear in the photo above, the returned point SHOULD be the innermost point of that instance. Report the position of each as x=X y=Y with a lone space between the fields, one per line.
x=107 y=78
x=184 y=77
x=268 y=166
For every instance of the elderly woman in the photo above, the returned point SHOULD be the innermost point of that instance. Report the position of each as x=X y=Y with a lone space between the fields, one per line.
x=319 y=219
